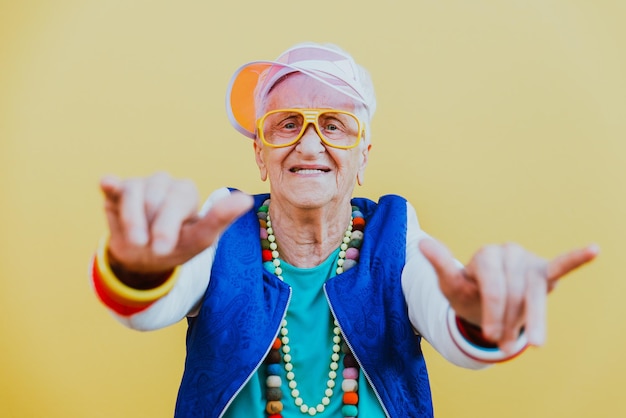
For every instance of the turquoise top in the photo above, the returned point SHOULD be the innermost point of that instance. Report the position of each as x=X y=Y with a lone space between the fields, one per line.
x=310 y=326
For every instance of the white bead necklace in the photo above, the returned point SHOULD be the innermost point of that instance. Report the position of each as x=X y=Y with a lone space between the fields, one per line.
x=334 y=363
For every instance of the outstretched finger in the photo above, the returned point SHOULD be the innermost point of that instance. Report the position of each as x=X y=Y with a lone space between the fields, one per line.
x=157 y=188
x=111 y=187
x=202 y=234
x=132 y=212
x=179 y=205
x=487 y=269
x=565 y=263
x=442 y=261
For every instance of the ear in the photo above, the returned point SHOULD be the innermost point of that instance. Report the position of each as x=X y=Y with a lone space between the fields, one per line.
x=259 y=160
x=360 y=175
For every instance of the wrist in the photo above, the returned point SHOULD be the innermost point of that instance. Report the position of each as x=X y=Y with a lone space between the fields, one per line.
x=125 y=288
x=137 y=280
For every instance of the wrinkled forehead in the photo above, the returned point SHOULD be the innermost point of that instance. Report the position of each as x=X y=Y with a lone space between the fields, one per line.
x=298 y=90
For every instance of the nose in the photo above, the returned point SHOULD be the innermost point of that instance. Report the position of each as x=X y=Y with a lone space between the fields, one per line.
x=310 y=141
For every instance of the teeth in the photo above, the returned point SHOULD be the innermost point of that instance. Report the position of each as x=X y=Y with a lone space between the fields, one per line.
x=308 y=171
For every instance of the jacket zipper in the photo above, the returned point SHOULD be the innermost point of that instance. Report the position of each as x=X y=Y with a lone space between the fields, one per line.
x=355 y=356
x=230 y=401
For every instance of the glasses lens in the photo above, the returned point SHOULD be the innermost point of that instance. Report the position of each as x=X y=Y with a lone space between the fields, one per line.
x=286 y=126
x=338 y=128
x=282 y=127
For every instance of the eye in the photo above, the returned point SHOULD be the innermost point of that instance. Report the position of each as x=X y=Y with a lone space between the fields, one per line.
x=287 y=122
x=332 y=125
x=338 y=127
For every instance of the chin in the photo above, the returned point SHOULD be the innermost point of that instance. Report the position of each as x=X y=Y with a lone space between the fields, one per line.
x=304 y=199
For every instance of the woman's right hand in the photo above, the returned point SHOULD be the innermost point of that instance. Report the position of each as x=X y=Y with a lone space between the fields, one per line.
x=154 y=223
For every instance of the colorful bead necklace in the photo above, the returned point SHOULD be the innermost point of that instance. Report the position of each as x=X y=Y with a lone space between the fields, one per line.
x=348 y=256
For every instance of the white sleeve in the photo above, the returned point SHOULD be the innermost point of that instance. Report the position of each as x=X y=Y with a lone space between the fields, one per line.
x=185 y=297
x=431 y=314
x=428 y=307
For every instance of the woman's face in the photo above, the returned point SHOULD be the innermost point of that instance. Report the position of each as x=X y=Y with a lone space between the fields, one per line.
x=310 y=174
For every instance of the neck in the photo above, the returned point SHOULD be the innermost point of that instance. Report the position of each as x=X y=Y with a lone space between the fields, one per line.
x=306 y=237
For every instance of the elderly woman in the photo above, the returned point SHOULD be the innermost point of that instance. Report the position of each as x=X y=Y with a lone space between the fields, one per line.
x=306 y=300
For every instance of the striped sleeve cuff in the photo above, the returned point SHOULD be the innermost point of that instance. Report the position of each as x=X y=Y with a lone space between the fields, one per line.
x=469 y=339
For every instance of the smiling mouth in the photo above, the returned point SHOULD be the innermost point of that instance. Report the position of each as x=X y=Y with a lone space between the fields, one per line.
x=309 y=170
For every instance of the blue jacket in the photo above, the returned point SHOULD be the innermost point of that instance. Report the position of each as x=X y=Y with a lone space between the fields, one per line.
x=244 y=305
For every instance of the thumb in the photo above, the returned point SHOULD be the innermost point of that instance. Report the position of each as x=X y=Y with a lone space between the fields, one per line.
x=441 y=259
x=225 y=211
x=565 y=263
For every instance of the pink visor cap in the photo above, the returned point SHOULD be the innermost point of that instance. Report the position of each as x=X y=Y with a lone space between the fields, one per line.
x=325 y=63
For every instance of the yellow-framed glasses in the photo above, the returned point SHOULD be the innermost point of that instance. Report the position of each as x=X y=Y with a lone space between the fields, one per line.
x=285 y=127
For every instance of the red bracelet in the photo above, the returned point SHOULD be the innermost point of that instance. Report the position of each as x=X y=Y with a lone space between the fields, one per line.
x=117 y=295
x=105 y=297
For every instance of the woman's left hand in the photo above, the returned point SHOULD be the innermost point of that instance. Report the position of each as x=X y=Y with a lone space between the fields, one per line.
x=503 y=288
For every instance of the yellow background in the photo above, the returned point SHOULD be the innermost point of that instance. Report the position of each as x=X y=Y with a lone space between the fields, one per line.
x=499 y=120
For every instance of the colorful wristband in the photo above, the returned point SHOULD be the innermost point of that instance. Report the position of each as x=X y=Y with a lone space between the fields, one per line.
x=121 y=293
x=104 y=295
x=469 y=340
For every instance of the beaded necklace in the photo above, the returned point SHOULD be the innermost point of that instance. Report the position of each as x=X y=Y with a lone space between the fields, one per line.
x=348 y=257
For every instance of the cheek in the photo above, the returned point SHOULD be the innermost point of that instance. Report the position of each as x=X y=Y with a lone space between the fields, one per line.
x=348 y=165
x=272 y=159
x=356 y=158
